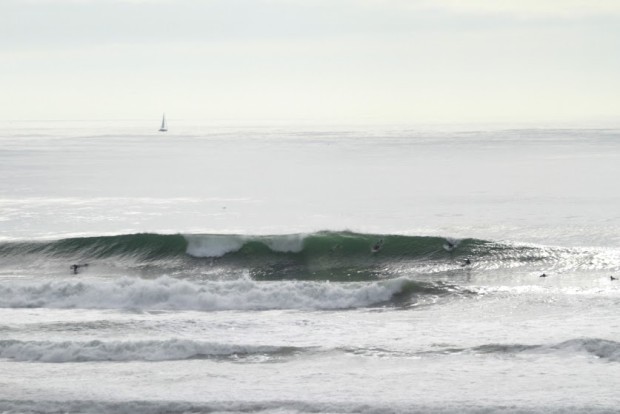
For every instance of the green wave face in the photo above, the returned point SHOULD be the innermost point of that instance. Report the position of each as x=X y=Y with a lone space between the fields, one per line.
x=143 y=245
x=324 y=255
x=322 y=244
x=317 y=256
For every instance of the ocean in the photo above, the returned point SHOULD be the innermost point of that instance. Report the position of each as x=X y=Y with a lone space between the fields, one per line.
x=277 y=268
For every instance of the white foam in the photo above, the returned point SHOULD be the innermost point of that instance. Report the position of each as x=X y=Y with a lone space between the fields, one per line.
x=217 y=245
x=166 y=293
x=291 y=243
x=213 y=245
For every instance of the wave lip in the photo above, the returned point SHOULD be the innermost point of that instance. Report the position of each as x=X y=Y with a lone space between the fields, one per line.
x=166 y=293
x=213 y=245
x=123 y=351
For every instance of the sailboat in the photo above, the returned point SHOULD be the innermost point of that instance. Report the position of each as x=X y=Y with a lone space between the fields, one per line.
x=164 y=127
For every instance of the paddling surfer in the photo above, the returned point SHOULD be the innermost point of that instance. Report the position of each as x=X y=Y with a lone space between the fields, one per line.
x=76 y=267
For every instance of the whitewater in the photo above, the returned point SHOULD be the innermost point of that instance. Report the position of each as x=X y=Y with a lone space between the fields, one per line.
x=308 y=269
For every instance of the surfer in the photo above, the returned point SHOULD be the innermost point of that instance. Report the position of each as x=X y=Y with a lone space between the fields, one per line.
x=466 y=262
x=449 y=246
x=543 y=275
x=76 y=267
x=377 y=246
x=612 y=278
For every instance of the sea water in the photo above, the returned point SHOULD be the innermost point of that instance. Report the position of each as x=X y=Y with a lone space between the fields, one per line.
x=232 y=269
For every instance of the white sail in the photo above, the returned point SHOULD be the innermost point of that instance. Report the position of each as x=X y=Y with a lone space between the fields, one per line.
x=164 y=127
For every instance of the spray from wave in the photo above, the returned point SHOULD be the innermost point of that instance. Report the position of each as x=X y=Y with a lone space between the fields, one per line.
x=146 y=350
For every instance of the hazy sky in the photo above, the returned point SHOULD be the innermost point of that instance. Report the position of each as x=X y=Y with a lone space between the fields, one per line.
x=323 y=60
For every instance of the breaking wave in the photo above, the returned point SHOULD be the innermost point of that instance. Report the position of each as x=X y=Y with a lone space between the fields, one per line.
x=166 y=293
x=336 y=256
x=307 y=246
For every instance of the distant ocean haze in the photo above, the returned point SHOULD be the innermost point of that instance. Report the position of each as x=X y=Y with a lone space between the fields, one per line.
x=547 y=186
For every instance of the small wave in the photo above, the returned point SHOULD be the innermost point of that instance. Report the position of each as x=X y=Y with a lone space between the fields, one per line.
x=280 y=406
x=167 y=350
x=291 y=407
x=166 y=293
x=599 y=348
x=181 y=349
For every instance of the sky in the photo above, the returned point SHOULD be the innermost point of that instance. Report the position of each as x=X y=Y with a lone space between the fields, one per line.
x=359 y=61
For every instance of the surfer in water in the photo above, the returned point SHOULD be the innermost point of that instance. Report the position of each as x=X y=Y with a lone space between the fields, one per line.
x=543 y=275
x=449 y=245
x=75 y=268
x=612 y=278
x=466 y=262
x=377 y=246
